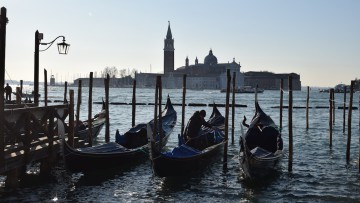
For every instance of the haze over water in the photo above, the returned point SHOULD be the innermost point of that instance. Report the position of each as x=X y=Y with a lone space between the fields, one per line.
x=319 y=173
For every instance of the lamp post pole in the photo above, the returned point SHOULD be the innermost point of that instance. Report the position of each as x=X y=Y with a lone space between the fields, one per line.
x=36 y=68
x=62 y=48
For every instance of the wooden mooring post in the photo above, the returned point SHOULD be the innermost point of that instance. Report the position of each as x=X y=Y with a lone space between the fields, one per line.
x=21 y=87
x=133 y=114
x=3 y=20
x=307 y=107
x=281 y=102
x=107 y=125
x=333 y=107
x=45 y=88
x=65 y=92
x=233 y=108
x=331 y=94
x=153 y=140
x=349 y=121
x=183 y=106
x=90 y=136
x=290 y=124
x=228 y=81
x=344 y=108
x=160 y=117
x=71 y=119
x=18 y=95
x=78 y=104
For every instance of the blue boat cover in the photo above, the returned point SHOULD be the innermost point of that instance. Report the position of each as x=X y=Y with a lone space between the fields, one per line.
x=261 y=153
x=104 y=148
x=183 y=151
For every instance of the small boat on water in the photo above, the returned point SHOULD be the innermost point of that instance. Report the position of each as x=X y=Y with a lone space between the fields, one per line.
x=133 y=147
x=245 y=89
x=98 y=123
x=185 y=160
x=261 y=146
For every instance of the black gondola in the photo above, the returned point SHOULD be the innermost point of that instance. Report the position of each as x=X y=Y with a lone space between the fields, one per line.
x=98 y=123
x=185 y=160
x=113 y=154
x=261 y=146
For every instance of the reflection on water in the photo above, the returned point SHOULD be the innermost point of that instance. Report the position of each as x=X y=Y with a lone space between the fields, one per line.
x=320 y=173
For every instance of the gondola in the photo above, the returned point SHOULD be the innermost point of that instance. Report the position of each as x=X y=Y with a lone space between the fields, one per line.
x=185 y=160
x=98 y=123
x=113 y=154
x=261 y=146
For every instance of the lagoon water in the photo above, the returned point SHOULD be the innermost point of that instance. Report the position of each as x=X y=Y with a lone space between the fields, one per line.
x=320 y=173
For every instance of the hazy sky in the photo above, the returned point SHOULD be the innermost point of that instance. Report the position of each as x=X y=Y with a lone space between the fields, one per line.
x=318 y=39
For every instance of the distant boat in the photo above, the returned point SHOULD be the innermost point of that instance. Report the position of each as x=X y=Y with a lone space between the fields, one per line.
x=245 y=89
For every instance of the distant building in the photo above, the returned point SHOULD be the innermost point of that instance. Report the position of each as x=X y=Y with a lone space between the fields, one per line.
x=52 y=80
x=207 y=75
x=271 y=81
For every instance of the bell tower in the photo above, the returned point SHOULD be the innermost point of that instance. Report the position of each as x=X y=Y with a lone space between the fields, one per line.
x=168 y=52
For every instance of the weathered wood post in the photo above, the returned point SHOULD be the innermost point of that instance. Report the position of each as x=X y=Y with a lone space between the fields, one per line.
x=307 y=107
x=45 y=88
x=133 y=104
x=349 y=121
x=333 y=107
x=344 y=108
x=233 y=108
x=71 y=119
x=107 y=126
x=65 y=92
x=78 y=104
x=330 y=116
x=21 y=87
x=18 y=95
x=160 y=118
x=228 y=81
x=90 y=136
x=153 y=140
x=183 y=106
x=3 y=21
x=290 y=124
x=281 y=101
x=36 y=67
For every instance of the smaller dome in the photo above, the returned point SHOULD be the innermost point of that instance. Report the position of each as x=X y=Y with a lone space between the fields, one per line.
x=210 y=59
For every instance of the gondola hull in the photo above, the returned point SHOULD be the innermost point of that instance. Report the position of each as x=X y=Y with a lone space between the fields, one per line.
x=96 y=129
x=167 y=166
x=110 y=155
x=185 y=160
x=260 y=147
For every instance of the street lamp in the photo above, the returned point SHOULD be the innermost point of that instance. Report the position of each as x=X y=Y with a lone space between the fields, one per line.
x=63 y=48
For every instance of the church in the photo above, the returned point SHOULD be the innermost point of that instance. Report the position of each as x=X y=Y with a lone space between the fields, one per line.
x=207 y=75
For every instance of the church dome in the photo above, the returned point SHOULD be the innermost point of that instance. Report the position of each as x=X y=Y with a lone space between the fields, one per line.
x=210 y=59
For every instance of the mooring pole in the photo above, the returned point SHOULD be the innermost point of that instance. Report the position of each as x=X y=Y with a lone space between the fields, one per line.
x=107 y=126
x=18 y=95
x=333 y=107
x=344 y=108
x=331 y=115
x=233 y=108
x=183 y=107
x=228 y=81
x=3 y=22
x=78 y=104
x=21 y=87
x=349 y=121
x=160 y=118
x=65 y=92
x=90 y=136
x=71 y=119
x=290 y=124
x=155 y=113
x=45 y=87
x=281 y=101
x=307 y=107
x=133 y=104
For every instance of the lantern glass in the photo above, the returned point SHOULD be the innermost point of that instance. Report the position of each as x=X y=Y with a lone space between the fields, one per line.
x=63 y=47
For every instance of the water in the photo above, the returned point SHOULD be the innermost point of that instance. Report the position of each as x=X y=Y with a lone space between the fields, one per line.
x=320 y=173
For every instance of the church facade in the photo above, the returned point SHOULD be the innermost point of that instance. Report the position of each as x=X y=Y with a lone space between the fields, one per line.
x=207 y=75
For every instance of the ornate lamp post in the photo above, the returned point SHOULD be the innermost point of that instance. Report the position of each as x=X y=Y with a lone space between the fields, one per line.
x=63 y=48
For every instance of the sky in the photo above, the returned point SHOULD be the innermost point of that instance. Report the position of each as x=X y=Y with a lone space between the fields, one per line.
x=317 y=39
